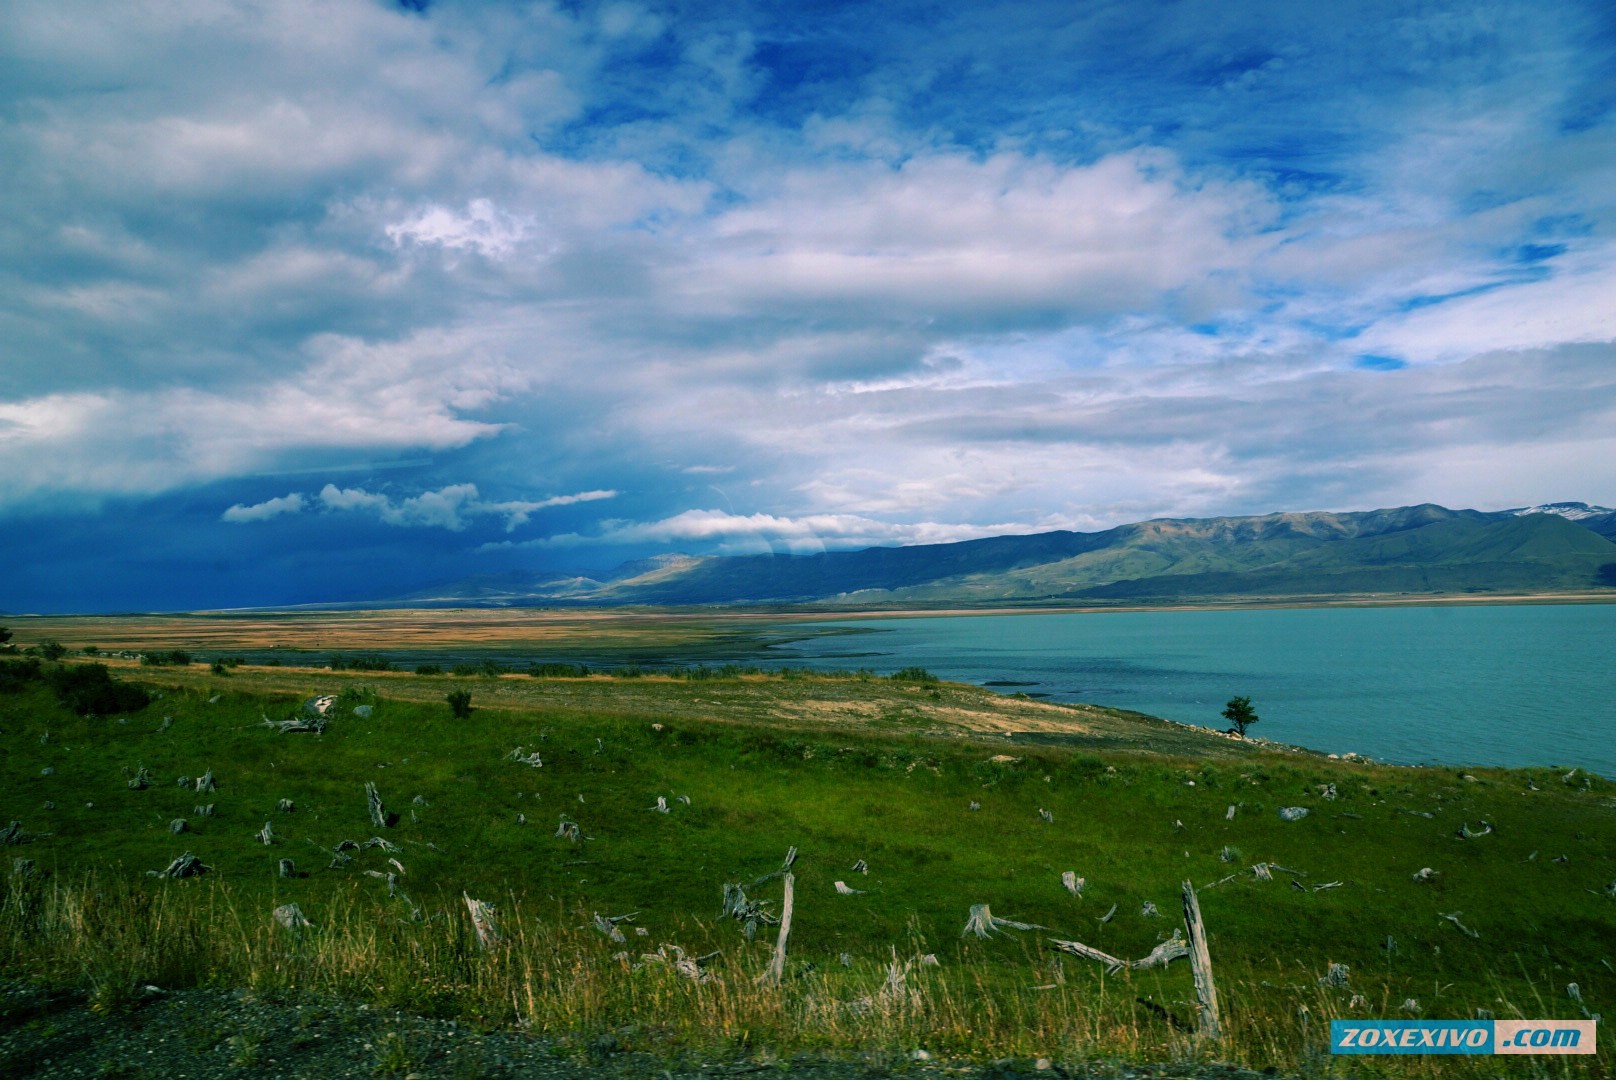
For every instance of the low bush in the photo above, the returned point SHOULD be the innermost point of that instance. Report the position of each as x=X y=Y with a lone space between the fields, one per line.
x=90 y=688
x=168 y=658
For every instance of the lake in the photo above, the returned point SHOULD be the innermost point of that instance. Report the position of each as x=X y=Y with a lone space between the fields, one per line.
x=1479 y=685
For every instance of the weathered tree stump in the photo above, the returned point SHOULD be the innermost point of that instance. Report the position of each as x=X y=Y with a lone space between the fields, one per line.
x=1072 y=883
x=1208 y=1024
x=777 y=964
x=983 y=923
x=178 y=825
x=482 y=921
x=286 y=868
x=183 y=866
x=206 y=782
x=141 y=780
x=285 y=806
x=291 y=916
x=373 y=801
x=205 y=810
x=266 y=835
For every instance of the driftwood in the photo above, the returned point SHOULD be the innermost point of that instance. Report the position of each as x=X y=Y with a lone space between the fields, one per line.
x=749 y=913
x=845 y=889
x=205 y=810
x=608 y=925
x=183 y=781
x=1228 y=815
x=1453 y=917
x=345 y=845
x=1163 y=954
x=1425 y=873
x=23 y=869
x=1072 y=883
x=974 y=805
x=291 y=916
x=482 y=921
x=13 y=834
x=340 y=860
x=785 y=868
x=693 y=968
x=1148 y=910
x=1048 y=817
x=266 y=835
x=206 y=782
x=1420 y=813
x=532 y=759
x=178 y=825
x=569 y=830
x=1107 y=916
x=777 y=964
x=1323 y=885
x=1206 y=993
x=418 y=801
x=1467 y=833
x=285 y=806
x=861 y=867
x=983 y=923
x=141 y=780
x=661 y=806
x=183 y=866
x=684 y=799
x=313 y=724
x=386 y=845
x=373 y=801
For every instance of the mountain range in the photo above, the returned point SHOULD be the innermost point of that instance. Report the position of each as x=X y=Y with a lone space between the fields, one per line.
x=1410 y=550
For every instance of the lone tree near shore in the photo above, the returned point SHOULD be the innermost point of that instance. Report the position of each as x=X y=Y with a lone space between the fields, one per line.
x=460 y=703
x=1240 y=713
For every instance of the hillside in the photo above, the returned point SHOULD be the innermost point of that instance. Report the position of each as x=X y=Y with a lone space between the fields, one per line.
x=1563 y=547
x=1332 y=889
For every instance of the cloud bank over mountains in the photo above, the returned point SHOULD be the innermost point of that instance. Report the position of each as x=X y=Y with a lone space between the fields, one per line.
x=385 y=287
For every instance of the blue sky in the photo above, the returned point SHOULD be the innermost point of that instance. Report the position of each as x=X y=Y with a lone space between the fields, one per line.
x=336 y=300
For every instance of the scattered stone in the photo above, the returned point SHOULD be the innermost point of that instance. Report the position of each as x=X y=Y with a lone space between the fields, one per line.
x=206 y=782
x=178 y=825
x=364 y=712
x=373 y=801
x=184 y=782
x=1292 y=813
x=48 y=770
x=286 y=868
x=1425 y=873
x=205 y=810
x=1072 y=883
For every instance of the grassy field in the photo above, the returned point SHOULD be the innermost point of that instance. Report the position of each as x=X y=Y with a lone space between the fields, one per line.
x=950 y=795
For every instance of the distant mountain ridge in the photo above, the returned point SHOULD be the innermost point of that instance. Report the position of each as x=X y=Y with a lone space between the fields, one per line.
x=1553 y=547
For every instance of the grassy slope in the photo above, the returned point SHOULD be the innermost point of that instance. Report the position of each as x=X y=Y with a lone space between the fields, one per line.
x=844 y=770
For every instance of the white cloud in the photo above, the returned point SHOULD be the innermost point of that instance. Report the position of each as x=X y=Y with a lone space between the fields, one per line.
x=481 y=227
x=451 y=507
x=269 y=508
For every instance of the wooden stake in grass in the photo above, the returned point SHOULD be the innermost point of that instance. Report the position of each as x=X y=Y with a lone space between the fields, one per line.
x=1206 y=992
x=777 y=966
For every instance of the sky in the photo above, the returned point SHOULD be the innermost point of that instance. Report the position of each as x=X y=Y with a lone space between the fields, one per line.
x=332 y=301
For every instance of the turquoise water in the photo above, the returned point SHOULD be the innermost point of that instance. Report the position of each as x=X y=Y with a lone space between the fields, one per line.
x=1483 y=685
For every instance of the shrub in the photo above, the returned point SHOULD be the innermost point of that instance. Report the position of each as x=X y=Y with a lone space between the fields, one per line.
x=90 y=688
x=362 y=662
x=90 y=650
x=428 y=669
x=16 y=675
x=459 y=703
x=170 y=658
x=51 y=649
x=559 y=671
x=914 y=675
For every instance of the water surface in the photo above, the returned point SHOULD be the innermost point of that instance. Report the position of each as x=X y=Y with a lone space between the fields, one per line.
x=1483 y=685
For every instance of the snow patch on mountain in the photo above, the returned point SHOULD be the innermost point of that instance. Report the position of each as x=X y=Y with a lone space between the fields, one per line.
x=1571 y=511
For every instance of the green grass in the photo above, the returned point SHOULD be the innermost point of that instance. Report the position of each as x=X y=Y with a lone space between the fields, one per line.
x=764 y=771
